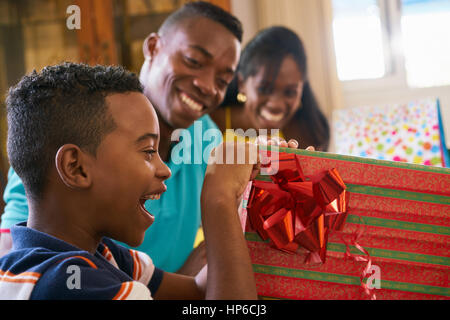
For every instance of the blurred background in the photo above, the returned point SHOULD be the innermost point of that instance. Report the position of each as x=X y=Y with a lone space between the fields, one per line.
x=361 y=52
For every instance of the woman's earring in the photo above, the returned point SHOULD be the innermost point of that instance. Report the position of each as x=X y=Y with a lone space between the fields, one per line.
x=241 y=98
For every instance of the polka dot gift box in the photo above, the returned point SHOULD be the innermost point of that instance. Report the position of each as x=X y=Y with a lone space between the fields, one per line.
x=410 y=132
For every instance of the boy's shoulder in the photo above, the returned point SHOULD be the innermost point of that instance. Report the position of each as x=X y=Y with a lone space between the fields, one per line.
x=46 y=273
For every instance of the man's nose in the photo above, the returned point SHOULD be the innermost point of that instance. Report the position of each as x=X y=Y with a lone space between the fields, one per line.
x=205 y=82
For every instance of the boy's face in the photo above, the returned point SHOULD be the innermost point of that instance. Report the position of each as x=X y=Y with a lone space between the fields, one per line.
x=190 y=69
x=127 y=170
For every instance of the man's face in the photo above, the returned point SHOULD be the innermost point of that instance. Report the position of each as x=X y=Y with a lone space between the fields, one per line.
x=189 y=69
x=128 y=169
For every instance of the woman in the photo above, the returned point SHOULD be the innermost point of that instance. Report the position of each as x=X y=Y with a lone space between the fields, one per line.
x=271 y=91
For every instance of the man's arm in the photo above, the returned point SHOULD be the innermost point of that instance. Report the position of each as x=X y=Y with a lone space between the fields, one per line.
x=16 y=209
x=195 y=262
x=175 y=286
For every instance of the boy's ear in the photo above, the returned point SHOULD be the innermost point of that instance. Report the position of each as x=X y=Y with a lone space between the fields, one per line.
x=73 y=167
x=150 y=46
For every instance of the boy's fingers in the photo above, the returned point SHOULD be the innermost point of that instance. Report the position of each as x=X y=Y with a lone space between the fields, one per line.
x=311 y=148
x=277 y=141
x=255 y=171
x=235 y=153
x=293 y=144
x=261 y=140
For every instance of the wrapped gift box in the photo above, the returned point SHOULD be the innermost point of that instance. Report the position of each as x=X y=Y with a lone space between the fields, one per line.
x=402 y=212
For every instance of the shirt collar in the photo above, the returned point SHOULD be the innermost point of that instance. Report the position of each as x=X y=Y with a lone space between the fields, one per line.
x=24 y=237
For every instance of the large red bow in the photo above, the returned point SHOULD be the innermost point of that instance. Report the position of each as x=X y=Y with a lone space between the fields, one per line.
x=295 y=210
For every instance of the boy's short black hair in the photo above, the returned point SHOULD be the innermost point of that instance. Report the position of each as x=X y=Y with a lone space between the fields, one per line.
x=206 y=10
x=61 y=104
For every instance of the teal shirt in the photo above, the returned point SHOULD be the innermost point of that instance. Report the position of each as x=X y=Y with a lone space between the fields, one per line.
x=170 y=239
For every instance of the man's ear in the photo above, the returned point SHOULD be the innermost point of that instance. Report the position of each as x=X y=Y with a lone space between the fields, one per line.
x=72 y=165
x=150 y=46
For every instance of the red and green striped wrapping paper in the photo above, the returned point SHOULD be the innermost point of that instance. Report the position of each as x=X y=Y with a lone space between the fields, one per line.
x=404 y=210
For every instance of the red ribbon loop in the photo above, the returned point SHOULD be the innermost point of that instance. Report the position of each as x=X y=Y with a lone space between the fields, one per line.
x=296 y=210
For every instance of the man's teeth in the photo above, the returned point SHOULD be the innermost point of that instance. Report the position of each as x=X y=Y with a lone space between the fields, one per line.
x=270 y=116
x=191 y=103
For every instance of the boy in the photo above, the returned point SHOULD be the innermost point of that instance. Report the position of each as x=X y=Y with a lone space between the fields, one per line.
x=194 y=54
x=84 y=141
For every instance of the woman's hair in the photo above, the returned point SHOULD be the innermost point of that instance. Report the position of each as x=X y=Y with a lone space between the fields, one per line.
x=268 y=49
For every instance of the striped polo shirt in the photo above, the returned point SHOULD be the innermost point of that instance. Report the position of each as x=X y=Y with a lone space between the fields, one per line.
x=41 y=266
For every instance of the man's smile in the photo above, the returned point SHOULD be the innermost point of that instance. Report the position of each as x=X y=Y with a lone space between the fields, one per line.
x=191 y=103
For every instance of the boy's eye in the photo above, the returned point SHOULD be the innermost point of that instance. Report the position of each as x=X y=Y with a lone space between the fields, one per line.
x=149 y=153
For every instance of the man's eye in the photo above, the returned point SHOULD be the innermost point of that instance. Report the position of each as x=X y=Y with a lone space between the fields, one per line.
x=192 y=62
x=222 y=83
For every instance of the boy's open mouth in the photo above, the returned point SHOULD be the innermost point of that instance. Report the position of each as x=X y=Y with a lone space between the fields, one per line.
x=154 y=196
x=142 y=201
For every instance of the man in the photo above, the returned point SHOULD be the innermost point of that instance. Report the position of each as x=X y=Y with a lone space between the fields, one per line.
x=188 y=65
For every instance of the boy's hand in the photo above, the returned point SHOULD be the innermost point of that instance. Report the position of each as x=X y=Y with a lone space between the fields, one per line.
x=229 y=273
x=231 y=167
x=276 y=141
x=235 y=163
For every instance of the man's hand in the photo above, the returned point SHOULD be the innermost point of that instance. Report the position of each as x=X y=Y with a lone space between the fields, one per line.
x=195 y=262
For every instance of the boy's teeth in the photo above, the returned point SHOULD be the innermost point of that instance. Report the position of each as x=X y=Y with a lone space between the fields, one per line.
x=191 y=103
x=270 y=116
x=155 y=196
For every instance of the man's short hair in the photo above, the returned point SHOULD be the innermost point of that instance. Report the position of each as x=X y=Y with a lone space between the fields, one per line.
x=61 y=104
x=206 y=10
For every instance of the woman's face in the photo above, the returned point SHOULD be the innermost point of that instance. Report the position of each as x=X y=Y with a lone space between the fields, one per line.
x=271 y=104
